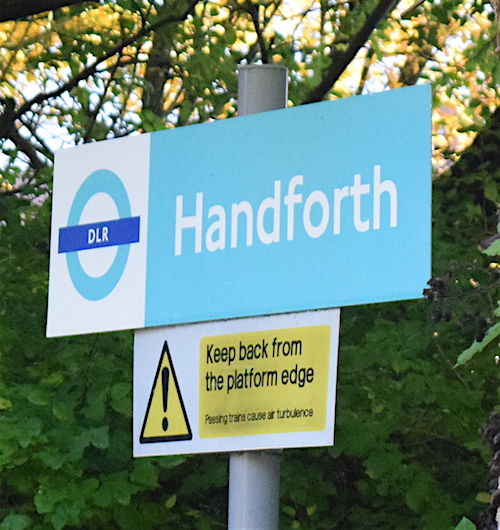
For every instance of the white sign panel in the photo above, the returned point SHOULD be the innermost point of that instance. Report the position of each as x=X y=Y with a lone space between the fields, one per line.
x=255 y=383
x=102 y=286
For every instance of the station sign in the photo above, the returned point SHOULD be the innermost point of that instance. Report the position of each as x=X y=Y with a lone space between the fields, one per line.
x=253 y=383
x=317 y=206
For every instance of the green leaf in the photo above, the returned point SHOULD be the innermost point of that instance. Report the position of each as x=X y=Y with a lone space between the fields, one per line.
x=39 y=396
x=43 y=503
x=53 y=458
x=100 y=437
x=96 y=399
x=121 y=398
x=170 y=502
x=59 y=519
x=145 y=474
x=151 y=122
x=230 y=34
x=493 y=249
x=465 y=524
x=491 y=190
x=31 y=429
x=55 y=378
x=63 y=411
x=15 y=522
x=477 y=347
x=5 y=404
x=289 y=510
x=185 y=111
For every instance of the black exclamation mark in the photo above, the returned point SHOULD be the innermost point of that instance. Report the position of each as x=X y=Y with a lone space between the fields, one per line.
x=165 y=375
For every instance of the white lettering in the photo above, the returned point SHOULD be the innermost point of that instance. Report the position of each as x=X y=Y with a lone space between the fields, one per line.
x=291 y=200
x=270 y=203
x=193 y=221
x=379 y=188
x=97 y=235
x=338 y=195
x=315 y=213
x=356 y=191
x=246 y=208
x=220 y=226
x=320 y=198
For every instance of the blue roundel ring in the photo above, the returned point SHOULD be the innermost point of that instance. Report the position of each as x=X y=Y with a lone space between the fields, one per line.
x=100 y=181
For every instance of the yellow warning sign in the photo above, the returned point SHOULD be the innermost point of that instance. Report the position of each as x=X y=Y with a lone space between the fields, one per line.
x=165 y=419
x=264 y=382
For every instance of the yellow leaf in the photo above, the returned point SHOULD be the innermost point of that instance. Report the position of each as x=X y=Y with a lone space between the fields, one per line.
x=483 y=497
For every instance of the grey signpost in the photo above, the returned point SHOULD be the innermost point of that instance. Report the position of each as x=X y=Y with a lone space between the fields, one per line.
x=254 y=476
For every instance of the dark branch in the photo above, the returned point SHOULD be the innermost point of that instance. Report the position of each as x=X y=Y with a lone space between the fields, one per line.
x=253 y=10
x=9 y=130
x=95 y=112
x=340 y=60
x=18 y=9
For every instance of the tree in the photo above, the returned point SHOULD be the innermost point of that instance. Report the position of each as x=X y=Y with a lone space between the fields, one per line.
x=407 y=422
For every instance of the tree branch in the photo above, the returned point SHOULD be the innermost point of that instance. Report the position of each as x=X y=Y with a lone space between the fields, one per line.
x=42 y=146
x=253 y=10
x=17 y=9
x=8 y=130
x=102 y=99
x=340 y=60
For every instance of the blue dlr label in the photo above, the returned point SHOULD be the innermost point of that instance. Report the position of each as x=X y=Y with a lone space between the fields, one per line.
x=96 y=235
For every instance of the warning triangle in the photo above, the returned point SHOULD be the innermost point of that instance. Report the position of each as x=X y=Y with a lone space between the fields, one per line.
x=165 y=419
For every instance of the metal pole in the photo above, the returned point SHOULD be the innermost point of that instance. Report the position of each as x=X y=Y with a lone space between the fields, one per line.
x=262 y=87
x=254 y=490
x=254 y=476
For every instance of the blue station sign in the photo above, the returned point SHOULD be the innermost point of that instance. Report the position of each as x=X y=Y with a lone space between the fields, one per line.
x=312 y=207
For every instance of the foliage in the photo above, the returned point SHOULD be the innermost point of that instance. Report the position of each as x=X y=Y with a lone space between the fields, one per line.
x=65 y=417
x=408 y=452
